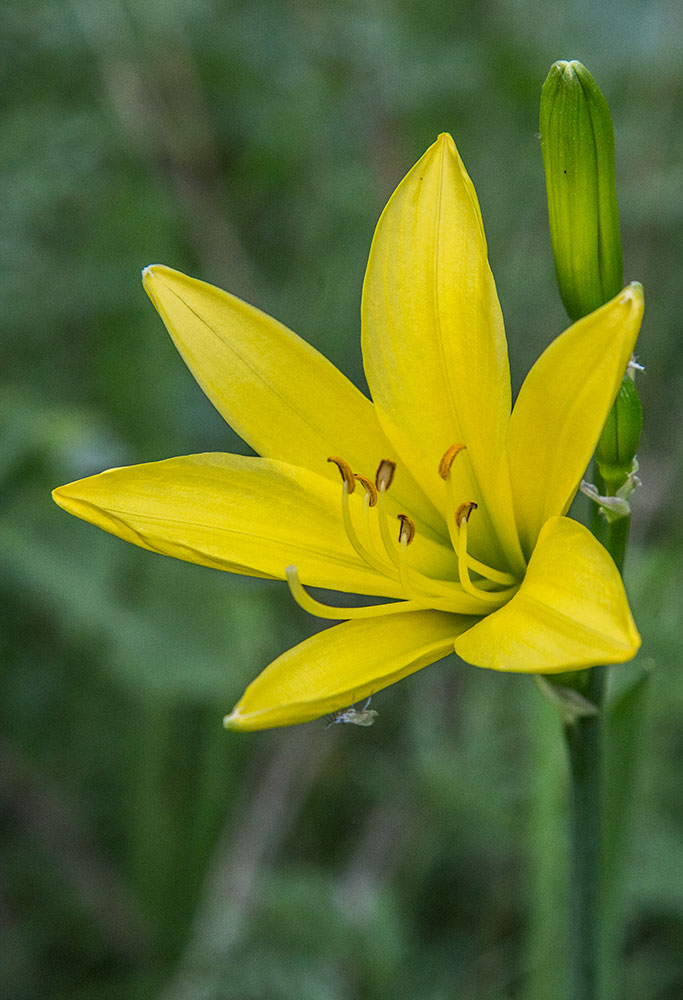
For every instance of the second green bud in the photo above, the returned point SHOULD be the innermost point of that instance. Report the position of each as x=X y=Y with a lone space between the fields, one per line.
x=618 y=442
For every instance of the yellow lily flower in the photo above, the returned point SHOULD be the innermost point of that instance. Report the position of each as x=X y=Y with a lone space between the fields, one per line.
x=449 y=504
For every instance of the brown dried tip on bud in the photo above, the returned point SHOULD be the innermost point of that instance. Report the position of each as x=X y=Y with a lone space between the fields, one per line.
x=464 y=510
x=385 y=474
x=447 y=460
x=369 y=488
x=406 y=532
x=345 y=470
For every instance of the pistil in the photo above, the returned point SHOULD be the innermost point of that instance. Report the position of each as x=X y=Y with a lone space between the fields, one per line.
x=320 y=610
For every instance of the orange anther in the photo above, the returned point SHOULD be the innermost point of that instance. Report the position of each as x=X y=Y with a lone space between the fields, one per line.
x=369 y=488
x=464 y=510
x=385 y=474
x=447 y=460
x=345 y=470
x=407 y=530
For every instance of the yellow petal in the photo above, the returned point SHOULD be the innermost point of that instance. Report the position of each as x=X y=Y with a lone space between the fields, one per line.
x=562 y=408
x=570 y=612
x=434 y=344
x=343 y=665
x=281 y=395
x=245 y=515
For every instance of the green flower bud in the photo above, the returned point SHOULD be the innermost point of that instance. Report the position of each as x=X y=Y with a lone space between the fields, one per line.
x=618 y=442
x=577 y=141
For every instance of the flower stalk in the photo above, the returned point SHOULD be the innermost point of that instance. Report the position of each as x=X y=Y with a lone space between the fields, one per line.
x=584 y=735
x=585 y=745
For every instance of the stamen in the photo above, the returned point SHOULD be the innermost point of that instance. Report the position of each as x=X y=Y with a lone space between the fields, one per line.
x=463 y=512
x=385 y=474
x=345 y=470
x=320 y=610
x=462 y=516
x=495 y=575
x=447 y=460
x=406 y=532
x=369 y=486
x=445 y=473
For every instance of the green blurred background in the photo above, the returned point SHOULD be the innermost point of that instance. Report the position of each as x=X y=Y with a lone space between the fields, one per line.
x=144 y=851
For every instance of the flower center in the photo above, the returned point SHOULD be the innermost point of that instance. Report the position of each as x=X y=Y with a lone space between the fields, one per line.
x=377 y=546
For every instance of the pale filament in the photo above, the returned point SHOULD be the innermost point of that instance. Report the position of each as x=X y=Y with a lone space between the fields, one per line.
x=425 y=598
x=370 y=500
x=389 y=543
x=367 y=529
x=369 y=557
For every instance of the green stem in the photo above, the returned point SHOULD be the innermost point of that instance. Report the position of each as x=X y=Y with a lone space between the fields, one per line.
x=617 y=540
x=585 y=746
x=612 y=534
x=584 y=743
x=596 y=519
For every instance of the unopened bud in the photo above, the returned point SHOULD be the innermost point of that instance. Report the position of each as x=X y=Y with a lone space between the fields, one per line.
x=618 y=442
x=577 y=141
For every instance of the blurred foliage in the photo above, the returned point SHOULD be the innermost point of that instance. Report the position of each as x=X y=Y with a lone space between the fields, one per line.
x=145 y=852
